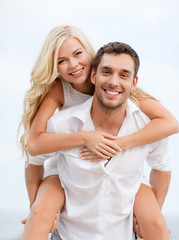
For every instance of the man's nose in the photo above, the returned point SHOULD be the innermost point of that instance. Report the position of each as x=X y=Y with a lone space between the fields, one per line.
x=114 y=80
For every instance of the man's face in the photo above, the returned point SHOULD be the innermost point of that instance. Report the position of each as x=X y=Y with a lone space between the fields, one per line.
x=114 y=79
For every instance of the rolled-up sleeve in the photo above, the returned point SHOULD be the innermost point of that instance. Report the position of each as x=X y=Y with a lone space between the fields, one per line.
x=160 y=157
x=40 y=159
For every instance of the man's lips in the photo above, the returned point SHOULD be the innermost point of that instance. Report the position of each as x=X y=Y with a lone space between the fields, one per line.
x=112 y=92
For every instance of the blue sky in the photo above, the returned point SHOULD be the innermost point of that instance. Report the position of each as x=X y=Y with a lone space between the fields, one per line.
x=150 y=27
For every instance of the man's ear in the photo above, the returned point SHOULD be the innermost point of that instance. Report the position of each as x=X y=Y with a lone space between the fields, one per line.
x=93 y=73
x=135 y=81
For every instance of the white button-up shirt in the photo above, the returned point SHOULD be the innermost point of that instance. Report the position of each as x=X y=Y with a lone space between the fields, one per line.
x=99 y=199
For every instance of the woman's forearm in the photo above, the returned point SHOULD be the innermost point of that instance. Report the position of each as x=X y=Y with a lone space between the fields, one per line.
x=162 y=125
x=156 y=130
x=51 y=142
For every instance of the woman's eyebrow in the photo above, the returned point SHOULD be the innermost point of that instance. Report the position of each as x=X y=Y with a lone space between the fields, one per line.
x=72 y=52
x=77 y=50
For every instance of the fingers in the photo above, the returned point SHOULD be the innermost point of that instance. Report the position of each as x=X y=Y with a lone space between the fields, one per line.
x=23 y=221
x=102 y=153
x=112 y=146
x=108 y=148
x=90 y=156
x=109 y=136
x=136 y=227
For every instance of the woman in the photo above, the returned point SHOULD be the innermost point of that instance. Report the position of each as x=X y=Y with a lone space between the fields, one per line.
x=67 y=52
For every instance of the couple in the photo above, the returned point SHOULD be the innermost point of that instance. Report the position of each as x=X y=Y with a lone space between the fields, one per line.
x=99 y=194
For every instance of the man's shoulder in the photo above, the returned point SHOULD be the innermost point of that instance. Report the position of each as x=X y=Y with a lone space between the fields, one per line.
x=135 y=112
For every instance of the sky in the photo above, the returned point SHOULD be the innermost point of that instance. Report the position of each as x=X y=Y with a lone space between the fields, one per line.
x=150 y=27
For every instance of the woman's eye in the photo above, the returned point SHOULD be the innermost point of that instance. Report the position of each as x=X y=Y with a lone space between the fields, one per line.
x=78 y=53
x=61 y=61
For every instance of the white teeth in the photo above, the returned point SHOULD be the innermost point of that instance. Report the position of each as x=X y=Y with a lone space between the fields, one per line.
x=75 y=73
x=112 y=93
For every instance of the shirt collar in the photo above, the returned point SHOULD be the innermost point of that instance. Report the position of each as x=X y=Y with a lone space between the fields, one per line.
x=131 y=108
x=83 y=112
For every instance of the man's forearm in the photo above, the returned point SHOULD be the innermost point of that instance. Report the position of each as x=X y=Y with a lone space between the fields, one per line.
x=33 y=177
x=160 y=181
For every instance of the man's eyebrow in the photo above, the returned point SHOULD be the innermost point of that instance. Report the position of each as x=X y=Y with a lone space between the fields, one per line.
x=126 y=71
x=72 y=52
x=106 y=68
x=110 y=68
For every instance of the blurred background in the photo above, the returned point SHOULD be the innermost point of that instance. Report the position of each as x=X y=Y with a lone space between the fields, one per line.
x=150 y=27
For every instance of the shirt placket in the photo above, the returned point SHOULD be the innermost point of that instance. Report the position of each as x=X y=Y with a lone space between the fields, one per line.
x=103 y=213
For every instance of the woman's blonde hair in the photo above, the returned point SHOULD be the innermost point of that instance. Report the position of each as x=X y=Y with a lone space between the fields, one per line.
x=44 y=73
x=138 y=94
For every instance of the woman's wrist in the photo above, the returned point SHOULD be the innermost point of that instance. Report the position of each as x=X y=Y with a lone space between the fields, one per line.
x=124 y=142
x=82 y=138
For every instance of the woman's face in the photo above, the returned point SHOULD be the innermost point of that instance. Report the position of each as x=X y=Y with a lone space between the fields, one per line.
x=73 y=62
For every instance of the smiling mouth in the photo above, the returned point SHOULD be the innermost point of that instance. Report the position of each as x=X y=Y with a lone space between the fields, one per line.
x=112 y=92
x=77 y=72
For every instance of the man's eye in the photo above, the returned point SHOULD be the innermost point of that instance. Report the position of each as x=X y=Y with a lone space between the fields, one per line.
x=106 y=72
x=124 y=75
x=61 y=61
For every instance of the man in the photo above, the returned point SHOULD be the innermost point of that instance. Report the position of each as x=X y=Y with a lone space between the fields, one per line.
x=100 y=195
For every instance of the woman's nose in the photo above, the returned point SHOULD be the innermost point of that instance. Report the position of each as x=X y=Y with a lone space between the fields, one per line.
x=73 y=63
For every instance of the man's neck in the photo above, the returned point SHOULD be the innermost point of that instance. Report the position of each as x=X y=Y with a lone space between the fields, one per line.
x=108 y=120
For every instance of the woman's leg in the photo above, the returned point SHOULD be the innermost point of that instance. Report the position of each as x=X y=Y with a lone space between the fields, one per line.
x=151 y=222
x=50 y=199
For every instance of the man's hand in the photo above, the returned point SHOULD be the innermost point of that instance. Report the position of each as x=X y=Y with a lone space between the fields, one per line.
x=55 y=223
x=136 y=227
x=23 y=221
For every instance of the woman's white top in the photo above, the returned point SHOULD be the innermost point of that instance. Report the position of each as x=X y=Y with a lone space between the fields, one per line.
x=71 y=96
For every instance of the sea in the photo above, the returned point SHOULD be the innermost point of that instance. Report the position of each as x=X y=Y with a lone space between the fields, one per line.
x=11 y=227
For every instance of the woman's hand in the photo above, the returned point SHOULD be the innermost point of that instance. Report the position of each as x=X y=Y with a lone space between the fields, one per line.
x=99 y=145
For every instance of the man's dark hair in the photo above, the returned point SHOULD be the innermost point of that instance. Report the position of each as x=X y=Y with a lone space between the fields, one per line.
x=117 y=48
